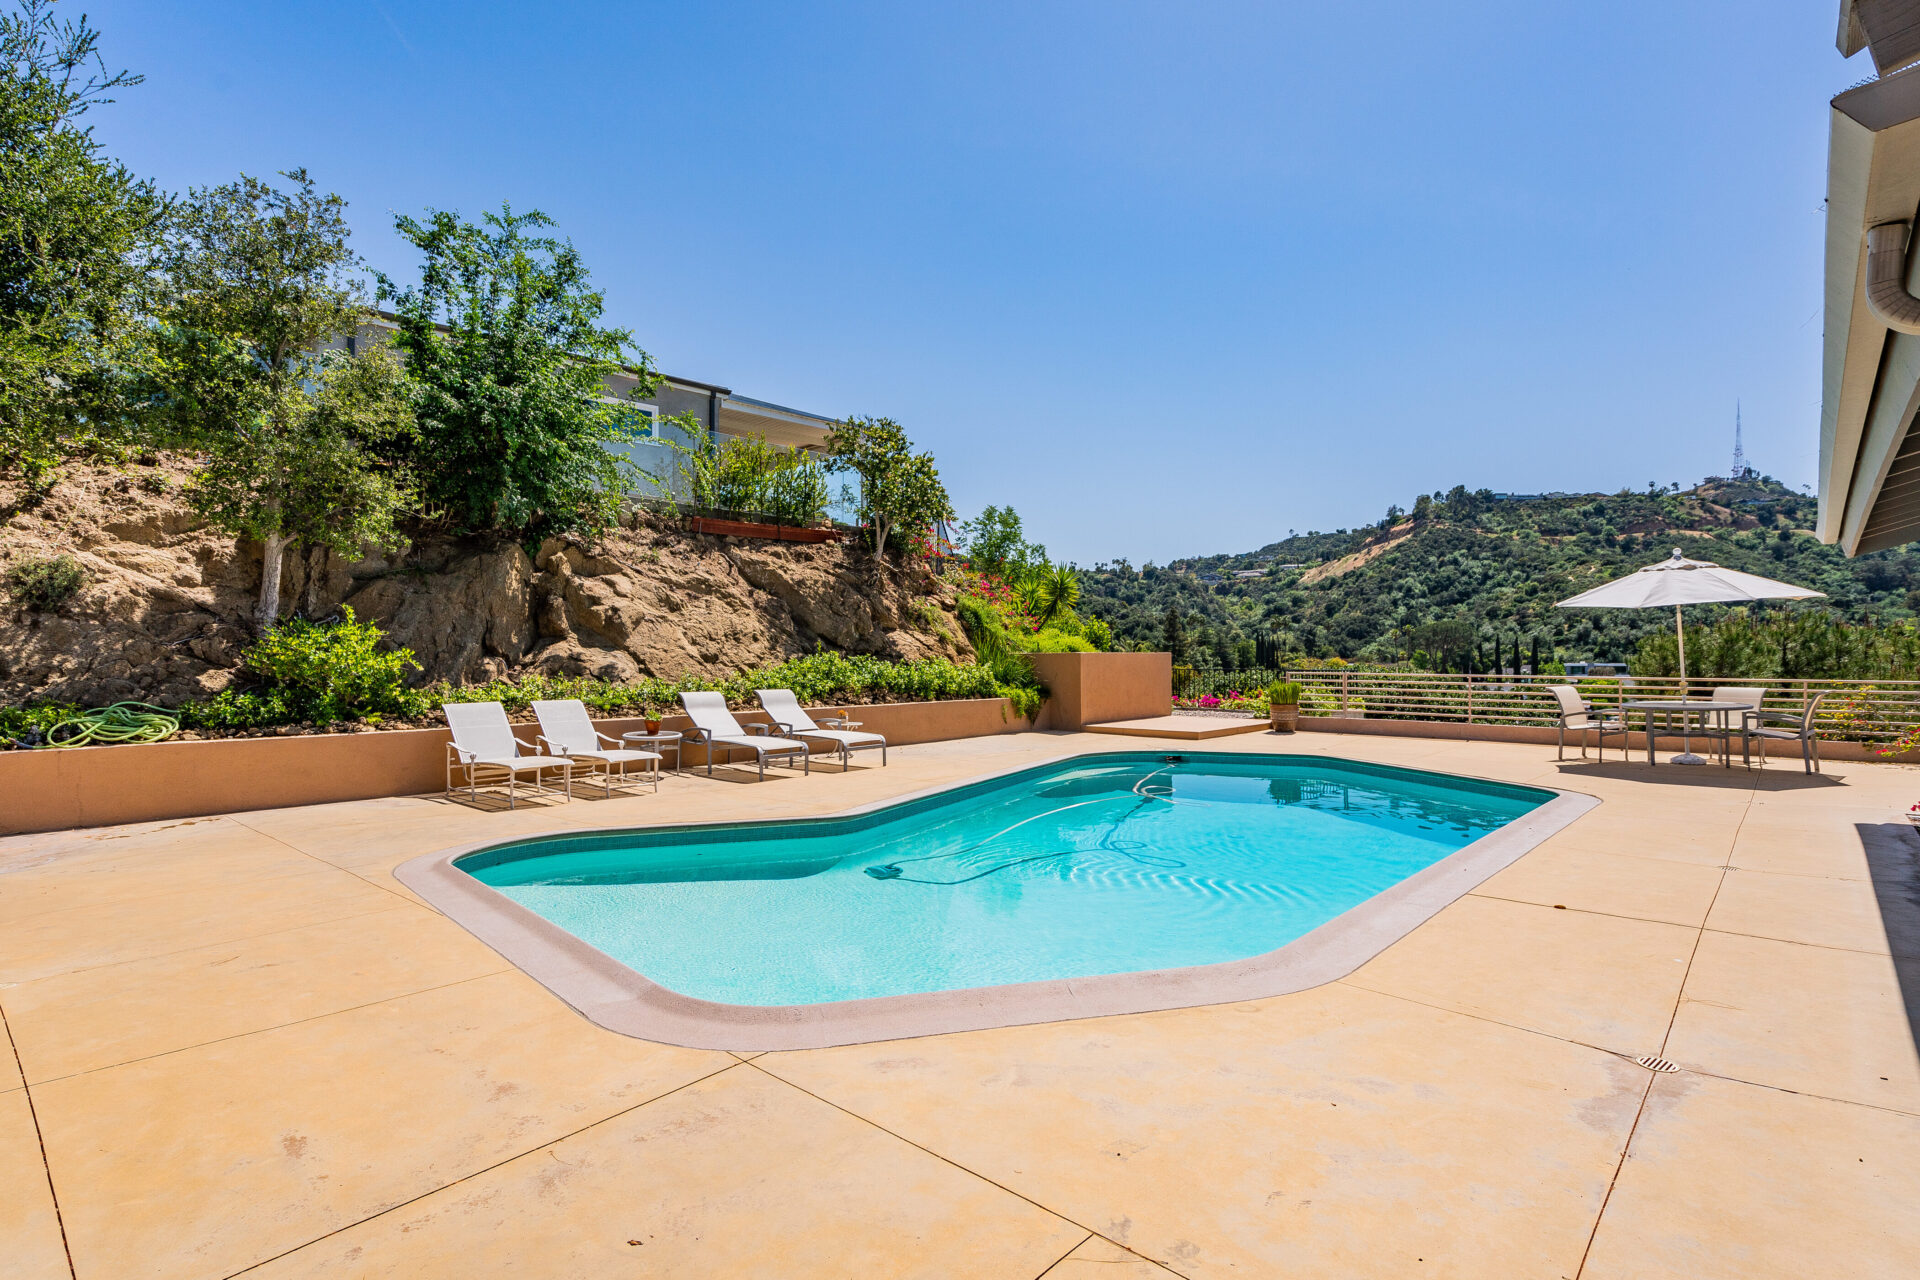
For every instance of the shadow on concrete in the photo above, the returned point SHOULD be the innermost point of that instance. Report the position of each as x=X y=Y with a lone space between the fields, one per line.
x=1712 y=777
x=1893 y=860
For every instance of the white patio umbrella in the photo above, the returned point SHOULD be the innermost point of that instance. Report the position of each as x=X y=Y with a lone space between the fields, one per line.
x=1678 y=581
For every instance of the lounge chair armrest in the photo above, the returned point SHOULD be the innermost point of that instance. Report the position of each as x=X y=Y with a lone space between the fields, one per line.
x=462 y=755
x=761 y=729
x=545 y=746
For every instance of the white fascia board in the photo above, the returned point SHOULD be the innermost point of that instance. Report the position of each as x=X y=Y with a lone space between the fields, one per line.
x=1847 y=373
x=1873 y=176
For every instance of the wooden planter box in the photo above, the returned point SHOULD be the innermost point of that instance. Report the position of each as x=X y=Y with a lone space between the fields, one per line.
x=770 y=532
x=53 y=790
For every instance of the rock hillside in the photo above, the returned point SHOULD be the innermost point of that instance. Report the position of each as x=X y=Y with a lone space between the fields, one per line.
x=165 y=610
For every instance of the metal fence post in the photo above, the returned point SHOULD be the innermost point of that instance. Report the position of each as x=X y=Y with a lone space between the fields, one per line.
x=1343 y=690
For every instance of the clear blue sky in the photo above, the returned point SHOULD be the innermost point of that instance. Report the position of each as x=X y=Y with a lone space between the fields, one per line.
x=1169 y=279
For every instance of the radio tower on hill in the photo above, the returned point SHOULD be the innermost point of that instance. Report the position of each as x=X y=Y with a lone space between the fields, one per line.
x=1741 y=470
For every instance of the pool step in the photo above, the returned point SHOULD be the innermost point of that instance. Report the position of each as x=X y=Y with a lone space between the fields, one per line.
x=1190 y=728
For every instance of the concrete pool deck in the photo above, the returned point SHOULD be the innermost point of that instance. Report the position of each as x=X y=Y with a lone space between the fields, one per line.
x=238 y=1044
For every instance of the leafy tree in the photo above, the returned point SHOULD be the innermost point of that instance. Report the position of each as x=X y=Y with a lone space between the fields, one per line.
x=512 y=417
x=76 y=231
x=900 y=490
x=257 y=283
x=1173 y=635
x=997 y=544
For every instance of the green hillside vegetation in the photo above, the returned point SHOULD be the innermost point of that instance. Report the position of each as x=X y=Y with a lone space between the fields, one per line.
x=1465 y=575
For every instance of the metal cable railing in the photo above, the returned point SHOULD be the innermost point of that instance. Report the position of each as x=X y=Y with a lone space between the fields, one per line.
x=1867 y=711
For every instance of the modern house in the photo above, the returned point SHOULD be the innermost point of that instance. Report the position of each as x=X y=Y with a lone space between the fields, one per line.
x=1870 y=380
x=716 y=408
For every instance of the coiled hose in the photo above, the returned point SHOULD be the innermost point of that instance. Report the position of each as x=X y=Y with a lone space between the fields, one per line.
x=120 y=723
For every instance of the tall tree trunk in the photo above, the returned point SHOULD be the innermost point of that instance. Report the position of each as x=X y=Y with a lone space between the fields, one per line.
x=273 y=550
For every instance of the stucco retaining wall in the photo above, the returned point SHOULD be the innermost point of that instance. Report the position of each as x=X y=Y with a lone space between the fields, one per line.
x=1093 y=688
x=100 y=786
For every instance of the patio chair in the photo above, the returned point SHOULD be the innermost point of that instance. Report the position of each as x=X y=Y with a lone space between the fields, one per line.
x=567 y=731
x=714 y=726
x=1792 y=726
x=1734 y=725
x=793 y=721
x=1576 y=714
x=484 y=747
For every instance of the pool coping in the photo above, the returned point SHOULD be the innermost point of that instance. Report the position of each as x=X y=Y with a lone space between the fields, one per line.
x=620 y=998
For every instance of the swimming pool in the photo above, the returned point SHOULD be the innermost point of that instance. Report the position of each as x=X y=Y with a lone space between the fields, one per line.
x=1075 y=873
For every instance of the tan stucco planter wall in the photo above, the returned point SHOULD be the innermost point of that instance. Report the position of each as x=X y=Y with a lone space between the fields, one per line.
x=99 y=786
x=1094 y=688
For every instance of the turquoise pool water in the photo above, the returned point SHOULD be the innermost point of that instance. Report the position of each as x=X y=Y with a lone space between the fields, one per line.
x=1095 y=865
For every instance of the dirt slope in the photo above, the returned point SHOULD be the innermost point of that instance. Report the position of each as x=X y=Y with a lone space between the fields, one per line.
x=164 y=614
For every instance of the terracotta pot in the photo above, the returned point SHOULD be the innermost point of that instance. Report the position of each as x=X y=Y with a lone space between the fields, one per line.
x=1286 y=718
x=653 y=724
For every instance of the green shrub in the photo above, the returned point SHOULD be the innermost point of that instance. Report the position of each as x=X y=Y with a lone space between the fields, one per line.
x=749 y=476
x=328 y=671
x=230 y=710
x=1051 y=641
x=1098 y=634
x=1284 y=693
x=988 y=631
x=822 y=677
x=45 y=585
x=17 y=723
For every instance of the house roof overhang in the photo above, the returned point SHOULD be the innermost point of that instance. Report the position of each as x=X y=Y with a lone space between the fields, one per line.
x=1870 y=376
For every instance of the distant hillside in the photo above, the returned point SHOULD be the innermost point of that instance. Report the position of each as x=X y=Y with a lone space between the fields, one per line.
x=1489 y=567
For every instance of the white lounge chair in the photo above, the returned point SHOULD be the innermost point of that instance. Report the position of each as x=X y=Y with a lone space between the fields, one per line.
x=567 y=731
x=484 y=746
x=714 y=726
x=793 y=721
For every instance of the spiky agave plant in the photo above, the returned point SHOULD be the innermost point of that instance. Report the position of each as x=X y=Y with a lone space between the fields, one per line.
x=1055 y=589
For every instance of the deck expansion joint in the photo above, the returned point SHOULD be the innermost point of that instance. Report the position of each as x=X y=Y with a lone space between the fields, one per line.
x=46 y=1168
x=468 y=1177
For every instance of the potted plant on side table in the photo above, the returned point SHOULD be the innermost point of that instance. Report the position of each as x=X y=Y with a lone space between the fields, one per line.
x=1283 y=704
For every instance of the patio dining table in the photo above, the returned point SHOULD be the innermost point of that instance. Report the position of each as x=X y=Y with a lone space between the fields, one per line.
x=1668 y=708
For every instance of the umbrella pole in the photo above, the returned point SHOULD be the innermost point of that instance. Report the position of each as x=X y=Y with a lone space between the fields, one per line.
x=1680 y=630
x=1686 y=755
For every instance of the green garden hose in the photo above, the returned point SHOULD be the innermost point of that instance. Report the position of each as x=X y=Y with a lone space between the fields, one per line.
x=121 y=722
